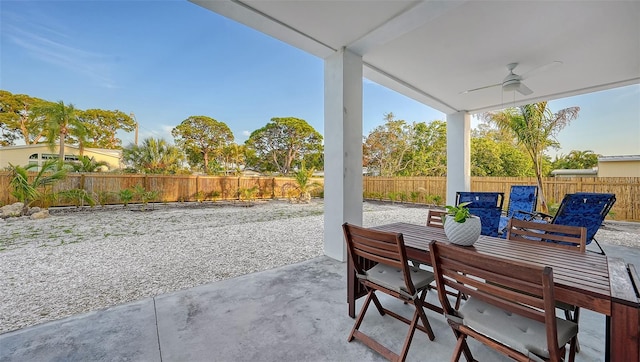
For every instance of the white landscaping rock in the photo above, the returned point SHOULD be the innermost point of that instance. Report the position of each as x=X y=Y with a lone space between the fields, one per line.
x=42 y=214
x=11 y=210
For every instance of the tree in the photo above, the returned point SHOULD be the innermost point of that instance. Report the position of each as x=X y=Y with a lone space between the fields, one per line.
x=429 y=149
x=86 y=164
x=385 y=148
x=61 y=122
x=535 y=128
x=154 y=156
x=204 y=136
x=234 y=155
x=398 y=148
x=576 y=160
x=494 y=153
x=26 y=191
x=283 y=141
x=17 y=119
x=102 y=125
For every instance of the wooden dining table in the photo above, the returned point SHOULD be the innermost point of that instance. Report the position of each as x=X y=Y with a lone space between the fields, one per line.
x=588 y=280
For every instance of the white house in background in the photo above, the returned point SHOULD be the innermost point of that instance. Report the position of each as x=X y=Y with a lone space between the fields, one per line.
x=619 y=166
x=39 y=153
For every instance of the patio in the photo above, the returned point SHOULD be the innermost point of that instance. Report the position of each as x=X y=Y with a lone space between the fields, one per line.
x=295 y=312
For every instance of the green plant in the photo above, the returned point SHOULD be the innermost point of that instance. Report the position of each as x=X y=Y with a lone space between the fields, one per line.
x=199 y=196
x=214 y=195
x=144 y=196
x=27 y=192
x=414 y=195
x=402 y=196
x=78 y=197
x=460 y=212
x=104 y=197
x=303 y=184
x=247 y=194
x=126 y=196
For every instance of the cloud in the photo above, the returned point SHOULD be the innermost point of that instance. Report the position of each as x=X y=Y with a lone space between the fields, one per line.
x=246 y=133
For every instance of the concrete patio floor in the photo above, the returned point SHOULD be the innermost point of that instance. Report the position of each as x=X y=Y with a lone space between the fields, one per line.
x=294 y=313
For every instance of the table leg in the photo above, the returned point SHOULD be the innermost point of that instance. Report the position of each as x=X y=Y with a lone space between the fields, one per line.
x=623 y=326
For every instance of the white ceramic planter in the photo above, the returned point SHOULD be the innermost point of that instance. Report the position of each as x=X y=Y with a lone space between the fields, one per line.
x=465 y=233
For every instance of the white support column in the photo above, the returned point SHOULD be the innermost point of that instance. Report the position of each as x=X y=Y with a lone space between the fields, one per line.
x=458 y=154
x=342 y=148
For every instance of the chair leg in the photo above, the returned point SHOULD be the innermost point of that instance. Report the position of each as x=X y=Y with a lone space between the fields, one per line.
x=460 y=347
x=574 y=317
x=573 y=345
x=417 y=316
x=363 y=311
x=376 y=301
x=599 y=246
x=459 y=298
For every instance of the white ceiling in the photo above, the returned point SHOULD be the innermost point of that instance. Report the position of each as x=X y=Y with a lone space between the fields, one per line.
x=434 y=50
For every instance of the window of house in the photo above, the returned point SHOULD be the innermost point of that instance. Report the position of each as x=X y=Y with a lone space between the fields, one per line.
x=33 y=156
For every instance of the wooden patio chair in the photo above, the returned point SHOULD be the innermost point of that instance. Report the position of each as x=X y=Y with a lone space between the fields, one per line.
x=435 y=218
x=511 y=305
x=556 y=236
x=391 y=275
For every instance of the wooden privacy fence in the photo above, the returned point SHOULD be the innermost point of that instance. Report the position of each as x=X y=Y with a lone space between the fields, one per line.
x=169 y=188
x=426 y=190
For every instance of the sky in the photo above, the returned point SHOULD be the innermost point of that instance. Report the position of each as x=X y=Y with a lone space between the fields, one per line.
x=165 y=61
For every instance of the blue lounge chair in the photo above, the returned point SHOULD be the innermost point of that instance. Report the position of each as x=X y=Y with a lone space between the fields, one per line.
x=480 y=199
x=487 y=206
x=585 y=209
x=489 y=218
x=522 y=204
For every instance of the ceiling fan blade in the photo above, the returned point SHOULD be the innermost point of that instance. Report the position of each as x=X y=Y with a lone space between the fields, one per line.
x=524 y=90
x=540 y=69
x=481 y=88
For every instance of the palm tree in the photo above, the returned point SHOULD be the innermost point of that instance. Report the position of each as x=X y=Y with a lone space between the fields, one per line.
x=154 y=156
x=27 y=192
x=61 y=122
x=304 y=184
x=535 y=127
x=86 y=164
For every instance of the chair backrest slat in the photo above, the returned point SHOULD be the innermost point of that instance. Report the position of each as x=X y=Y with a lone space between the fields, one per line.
x=561 y=236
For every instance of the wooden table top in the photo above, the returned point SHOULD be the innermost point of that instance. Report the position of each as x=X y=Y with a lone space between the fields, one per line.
x=581 y=278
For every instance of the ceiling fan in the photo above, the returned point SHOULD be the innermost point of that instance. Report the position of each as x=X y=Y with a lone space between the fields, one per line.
x=513 y=82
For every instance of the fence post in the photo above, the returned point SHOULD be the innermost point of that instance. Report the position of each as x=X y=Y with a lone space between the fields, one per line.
x=273 y=188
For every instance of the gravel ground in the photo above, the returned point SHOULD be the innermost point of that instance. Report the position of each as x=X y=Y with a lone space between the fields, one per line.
x=79 y=261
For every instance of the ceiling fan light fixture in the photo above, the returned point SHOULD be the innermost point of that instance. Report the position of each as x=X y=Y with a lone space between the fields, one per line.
x=511 y=85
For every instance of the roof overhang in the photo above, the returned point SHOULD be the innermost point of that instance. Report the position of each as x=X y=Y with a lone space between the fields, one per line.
x=432 y=51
